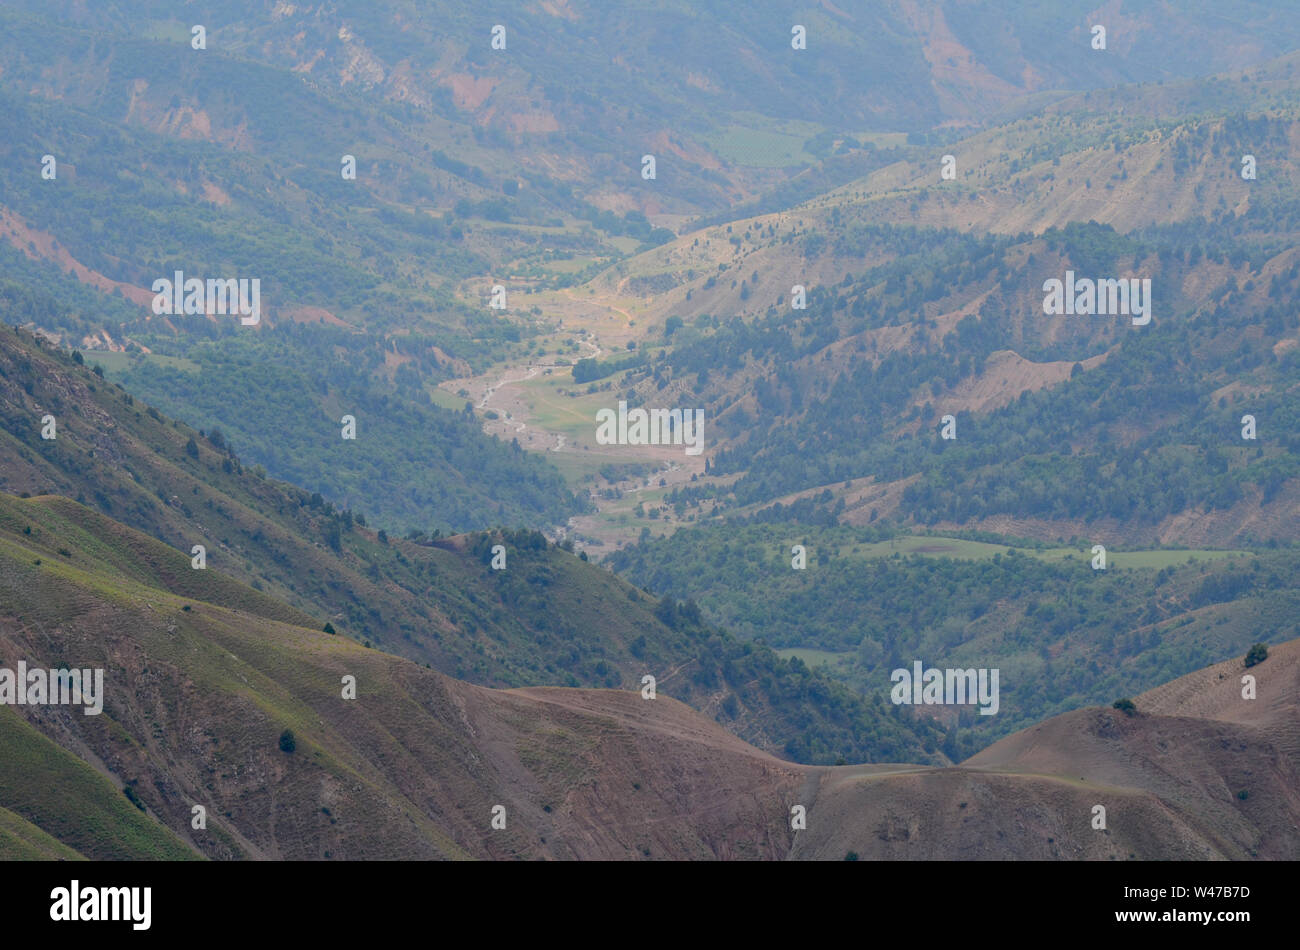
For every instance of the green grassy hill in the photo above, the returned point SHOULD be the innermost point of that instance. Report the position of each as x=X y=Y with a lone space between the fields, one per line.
x=87 y=817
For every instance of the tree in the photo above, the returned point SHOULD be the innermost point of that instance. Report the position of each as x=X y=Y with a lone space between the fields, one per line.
x=1258 y=654
x=287 y=741
x=1126 y=706
x=192 y=448
x=329 y=627
x=666 y=612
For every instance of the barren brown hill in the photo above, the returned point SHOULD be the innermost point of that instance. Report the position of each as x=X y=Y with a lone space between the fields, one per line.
x=1198 y=773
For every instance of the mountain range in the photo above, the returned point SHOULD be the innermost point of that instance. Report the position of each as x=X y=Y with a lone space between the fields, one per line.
x=365 y=582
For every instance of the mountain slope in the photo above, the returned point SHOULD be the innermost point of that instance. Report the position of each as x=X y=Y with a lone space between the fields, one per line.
x=88 y=818
x=925 y=299
x=1220 y=783
x=1071 y=424
x=548 y=618
x=198 y=696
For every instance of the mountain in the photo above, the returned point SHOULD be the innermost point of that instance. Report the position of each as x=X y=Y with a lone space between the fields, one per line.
x=197 y=694
x=1197 y=773
x=565 y=66
x=226 y=702
x=515 y=168
x=547 y=618
x=829 y=234
x=924 y=299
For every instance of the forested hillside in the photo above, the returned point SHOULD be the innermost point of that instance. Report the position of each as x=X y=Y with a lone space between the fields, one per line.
x=1062 y=633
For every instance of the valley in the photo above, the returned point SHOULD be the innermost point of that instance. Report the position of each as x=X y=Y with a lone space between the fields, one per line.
x=583 y=418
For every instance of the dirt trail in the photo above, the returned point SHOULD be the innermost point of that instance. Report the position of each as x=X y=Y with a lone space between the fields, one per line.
x=533 y=370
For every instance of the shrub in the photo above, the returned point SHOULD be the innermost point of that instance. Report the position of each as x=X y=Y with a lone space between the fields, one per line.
x=1126 y=706
x=329 y=627
x=1258 y=654
x=132 y=797
x=287 y=741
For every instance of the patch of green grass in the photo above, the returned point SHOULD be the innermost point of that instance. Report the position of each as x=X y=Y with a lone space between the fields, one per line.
x=1170 y=558
x=574 y=417
x=52 y=789
x=882 y=139
x=576 y=467
x=20 y=840
x=760 y=149
x=445 y=399
x=625 y=245
x=573 y=265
